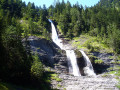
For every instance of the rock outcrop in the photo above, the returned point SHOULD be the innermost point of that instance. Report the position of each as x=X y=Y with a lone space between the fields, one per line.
x=49 y=53
x=52 y=56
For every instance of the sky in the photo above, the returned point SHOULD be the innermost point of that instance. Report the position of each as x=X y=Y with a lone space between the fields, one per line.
x=88 y=3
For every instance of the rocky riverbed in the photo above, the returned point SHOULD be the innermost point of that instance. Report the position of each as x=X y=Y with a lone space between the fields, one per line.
x=51 y=56
x=99 y=82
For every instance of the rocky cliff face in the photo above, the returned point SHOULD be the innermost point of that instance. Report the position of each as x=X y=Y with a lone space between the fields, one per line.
x=80 y=61
x=107 y=62
x=52 y=56
x=49 y=53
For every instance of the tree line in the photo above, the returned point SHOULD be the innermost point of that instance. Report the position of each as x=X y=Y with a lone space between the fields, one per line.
x=101 y=20
x=18 y=21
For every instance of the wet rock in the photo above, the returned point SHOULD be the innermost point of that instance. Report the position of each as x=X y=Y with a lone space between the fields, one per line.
x=107 y=62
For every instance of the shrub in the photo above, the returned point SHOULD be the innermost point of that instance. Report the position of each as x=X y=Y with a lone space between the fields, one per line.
x=37 y=68
x=93 y=32
x=55 y=77
x=99 y=61
x=58 y=79
x=90 y=47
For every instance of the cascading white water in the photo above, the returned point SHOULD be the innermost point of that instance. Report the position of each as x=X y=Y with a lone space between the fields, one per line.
x=70 y=53
x=72 y=58
x=89 y=68
x=72 y=62
x=55 y=38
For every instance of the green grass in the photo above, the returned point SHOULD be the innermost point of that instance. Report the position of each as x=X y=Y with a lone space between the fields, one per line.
x=58 y=85
x=58 y=79
x=64 y=88
x=112 y=72
x=99 y=61
x=111 y=68
x=92 y=44
x=51 y=75
x=55 y=77
x=105 y=75
x=111 y=57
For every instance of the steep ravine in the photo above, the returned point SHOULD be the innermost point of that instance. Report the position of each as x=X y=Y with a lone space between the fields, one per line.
x=55 y=58
x=50 y=54
x=99 y=82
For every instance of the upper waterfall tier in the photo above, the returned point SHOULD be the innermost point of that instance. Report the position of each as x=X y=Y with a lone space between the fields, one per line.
x=55 y=38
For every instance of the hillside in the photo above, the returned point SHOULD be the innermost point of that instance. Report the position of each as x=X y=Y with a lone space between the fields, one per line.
x=27 y=52
x=109 y=3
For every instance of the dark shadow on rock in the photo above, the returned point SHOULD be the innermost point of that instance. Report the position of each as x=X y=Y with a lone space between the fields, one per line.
x=49 y=53
x=45 y=49
x=80 y=61
x=102 y=67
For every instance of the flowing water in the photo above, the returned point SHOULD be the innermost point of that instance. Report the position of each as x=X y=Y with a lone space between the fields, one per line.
x=72 y=59
x=88 y=70
x=55 y=38
x=72 y=62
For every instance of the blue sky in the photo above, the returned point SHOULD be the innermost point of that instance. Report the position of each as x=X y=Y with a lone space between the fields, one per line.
x=51 y=2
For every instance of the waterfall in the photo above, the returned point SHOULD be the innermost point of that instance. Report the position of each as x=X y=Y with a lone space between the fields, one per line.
x=55 y=38
x=72 y=59
x=72 y=62
x=88 y=70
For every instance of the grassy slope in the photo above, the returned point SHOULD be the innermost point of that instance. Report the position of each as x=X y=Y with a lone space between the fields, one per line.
x=94 y=44
x=90 y=44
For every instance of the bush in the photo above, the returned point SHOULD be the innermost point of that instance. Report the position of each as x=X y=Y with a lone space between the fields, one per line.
x=93 y=32
x=90 y=47
x=37 y=68
x=99 y=61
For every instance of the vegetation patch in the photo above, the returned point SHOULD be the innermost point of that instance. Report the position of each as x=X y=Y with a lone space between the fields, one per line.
x=37 y=68
x=55 y=77
x=91 y=44
x=98 y=61
x=3 y=87
x=9 y=86
x=58 y=85
x=105 y=75
x=112 y=72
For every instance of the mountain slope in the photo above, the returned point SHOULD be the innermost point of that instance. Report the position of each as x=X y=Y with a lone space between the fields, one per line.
x=109 y=3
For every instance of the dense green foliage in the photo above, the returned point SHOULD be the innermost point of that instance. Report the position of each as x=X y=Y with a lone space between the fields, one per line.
x=102 y=21
x=18 y=21
x=109 y=3
x=37 y=68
